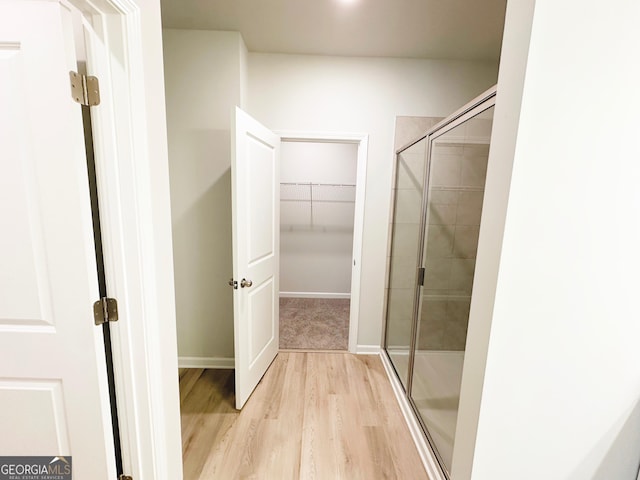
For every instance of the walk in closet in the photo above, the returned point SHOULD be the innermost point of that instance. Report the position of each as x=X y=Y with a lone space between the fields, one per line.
x=438 y=193
x=317 y=204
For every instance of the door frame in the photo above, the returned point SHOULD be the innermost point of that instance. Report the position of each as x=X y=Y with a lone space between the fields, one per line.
x=362 y=140
x=133 y=193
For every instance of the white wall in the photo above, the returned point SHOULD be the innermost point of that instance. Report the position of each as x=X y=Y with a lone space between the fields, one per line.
x=204 y=73
x=316 y=237
x=513 y=64
x=339 y=94
x=561 y=395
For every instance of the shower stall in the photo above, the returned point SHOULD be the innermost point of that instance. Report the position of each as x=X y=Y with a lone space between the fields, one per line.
x=438 y=192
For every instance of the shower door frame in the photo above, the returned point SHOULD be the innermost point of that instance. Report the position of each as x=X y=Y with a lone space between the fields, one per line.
x=476 y=106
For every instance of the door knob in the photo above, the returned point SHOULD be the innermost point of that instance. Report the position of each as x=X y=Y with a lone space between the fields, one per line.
x=245 y=283
x=233 y=283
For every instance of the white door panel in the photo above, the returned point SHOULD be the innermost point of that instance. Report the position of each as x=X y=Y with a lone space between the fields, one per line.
x=259 y=192
x=44 y=432
x=255 y=173
x=260 y=299
x=53 y=388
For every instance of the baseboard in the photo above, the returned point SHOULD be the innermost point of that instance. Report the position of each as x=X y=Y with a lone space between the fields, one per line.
x=368 y=349
x=424 y=449
x=206 y=362
x=398 y=350
x=314 y=295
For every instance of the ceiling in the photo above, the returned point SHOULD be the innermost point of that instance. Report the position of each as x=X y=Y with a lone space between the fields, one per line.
x=455 y=29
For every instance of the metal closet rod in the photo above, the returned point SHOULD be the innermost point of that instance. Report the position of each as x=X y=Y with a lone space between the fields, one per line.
x=320 y=184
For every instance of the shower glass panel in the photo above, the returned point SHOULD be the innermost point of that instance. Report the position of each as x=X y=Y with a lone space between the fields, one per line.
x=403 y=255
x=455 y=191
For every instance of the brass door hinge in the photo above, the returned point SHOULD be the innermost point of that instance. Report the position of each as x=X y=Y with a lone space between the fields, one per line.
x=105 y=310
x=85 y=89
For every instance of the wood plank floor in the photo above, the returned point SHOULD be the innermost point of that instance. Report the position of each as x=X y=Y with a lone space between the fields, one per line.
x=313 y=416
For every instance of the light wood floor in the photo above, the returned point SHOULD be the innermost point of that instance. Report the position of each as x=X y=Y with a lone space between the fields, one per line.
x=313 y=416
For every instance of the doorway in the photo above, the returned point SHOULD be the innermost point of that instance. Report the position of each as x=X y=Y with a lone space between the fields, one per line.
x=317 y=209
x=321 y=214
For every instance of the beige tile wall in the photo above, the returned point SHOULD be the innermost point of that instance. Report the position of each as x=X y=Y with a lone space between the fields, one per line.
x=405 y=235
x=455 y=204
x=404 y=230
x=457 y=187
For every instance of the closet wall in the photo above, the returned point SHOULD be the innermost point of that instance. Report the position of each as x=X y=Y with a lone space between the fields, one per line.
x=317 y=193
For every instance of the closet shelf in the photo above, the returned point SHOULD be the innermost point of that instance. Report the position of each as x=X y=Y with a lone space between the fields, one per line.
x=317 y=192
x=446 y=188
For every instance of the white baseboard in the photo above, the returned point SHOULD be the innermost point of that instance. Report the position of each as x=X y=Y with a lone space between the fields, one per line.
x=368 y=349
x=424 y=449
x=314 y=295
x=206 y=362
x=398 y=350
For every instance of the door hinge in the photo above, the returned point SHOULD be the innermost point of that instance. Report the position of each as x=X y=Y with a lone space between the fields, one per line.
x=105 y=310
x=125 y=477
x=85 y=89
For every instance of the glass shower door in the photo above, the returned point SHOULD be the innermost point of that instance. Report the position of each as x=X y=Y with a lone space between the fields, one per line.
x=403 y=260
x=458 y=164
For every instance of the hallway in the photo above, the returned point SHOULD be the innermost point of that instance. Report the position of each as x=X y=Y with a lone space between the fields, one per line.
x=313 y=415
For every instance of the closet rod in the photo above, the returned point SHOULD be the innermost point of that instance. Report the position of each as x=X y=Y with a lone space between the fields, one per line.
x=319 y=184
x=446 y=188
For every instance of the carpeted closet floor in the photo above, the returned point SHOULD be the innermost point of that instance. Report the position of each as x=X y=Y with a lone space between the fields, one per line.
x=314 y=323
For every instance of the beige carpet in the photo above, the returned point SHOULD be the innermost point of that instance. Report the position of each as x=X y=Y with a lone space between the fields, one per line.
x=314 y=323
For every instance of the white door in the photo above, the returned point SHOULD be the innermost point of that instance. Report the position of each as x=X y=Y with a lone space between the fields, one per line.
x=255 y=172
x=53 y=384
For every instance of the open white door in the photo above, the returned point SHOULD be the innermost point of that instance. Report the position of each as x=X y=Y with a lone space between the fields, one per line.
x=54 y=397
x=255 y=173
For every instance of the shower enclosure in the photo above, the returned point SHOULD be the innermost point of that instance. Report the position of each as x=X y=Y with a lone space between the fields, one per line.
x=437 y=206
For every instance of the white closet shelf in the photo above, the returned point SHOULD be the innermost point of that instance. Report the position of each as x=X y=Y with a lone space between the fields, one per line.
x=462 y=188
x=317 y=192
x=320 y=184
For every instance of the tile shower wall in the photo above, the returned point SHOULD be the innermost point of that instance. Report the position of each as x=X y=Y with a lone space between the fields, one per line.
x=406 y=203
x=456 y=191
x=405 y=236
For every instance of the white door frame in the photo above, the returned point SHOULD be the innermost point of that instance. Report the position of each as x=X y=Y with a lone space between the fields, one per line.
x=362 y=140
x=133 y=191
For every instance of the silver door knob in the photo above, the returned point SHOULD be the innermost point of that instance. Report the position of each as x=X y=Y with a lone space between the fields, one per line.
x=245 y=283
